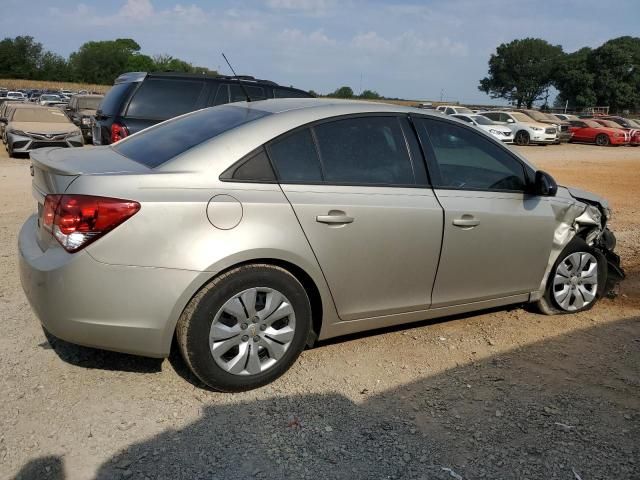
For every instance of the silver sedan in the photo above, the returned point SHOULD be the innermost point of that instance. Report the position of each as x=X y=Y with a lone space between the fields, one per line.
x=249 y=231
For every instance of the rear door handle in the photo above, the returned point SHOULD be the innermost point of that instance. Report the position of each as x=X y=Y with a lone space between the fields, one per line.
x=335 y=217
x=466 y=221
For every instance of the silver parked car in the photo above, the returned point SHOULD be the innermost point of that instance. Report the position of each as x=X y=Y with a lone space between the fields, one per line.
x=250 y=230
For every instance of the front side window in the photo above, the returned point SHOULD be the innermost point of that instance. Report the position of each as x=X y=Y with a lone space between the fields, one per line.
x=493 y=116
x=163 y=98
x=466 y=160
x=237 y=94
x=364 y=150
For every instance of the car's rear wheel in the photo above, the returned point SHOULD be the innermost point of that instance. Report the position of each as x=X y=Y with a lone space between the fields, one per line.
x=573 y=282
x=9 y=150
x=602 y=140
x=522 y=138
x=245 y=328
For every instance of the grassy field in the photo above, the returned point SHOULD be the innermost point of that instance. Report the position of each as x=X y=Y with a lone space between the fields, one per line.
x=12 y=84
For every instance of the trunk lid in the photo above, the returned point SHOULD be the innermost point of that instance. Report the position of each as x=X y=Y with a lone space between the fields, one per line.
x=54 y=169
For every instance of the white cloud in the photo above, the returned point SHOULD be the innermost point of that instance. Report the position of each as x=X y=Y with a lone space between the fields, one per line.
x=137 y=9
x=300 y=4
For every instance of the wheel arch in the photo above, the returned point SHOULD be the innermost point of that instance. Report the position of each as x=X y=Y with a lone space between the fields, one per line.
x=318 y=307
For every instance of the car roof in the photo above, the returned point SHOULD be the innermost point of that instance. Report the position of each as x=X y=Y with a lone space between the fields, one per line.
x=88 y=95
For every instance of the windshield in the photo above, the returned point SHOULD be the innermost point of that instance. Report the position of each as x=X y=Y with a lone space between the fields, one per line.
x=610 y=123
x=521 y=117
x=481 y=120
x=156 y=145
x=90 y=103
x=538 y=116
x=634 y=123
x=592 y=124
x=49 y=97
x=44 y=115
x=463 y=110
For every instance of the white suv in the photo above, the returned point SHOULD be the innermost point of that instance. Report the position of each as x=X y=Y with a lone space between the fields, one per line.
x=524 y=128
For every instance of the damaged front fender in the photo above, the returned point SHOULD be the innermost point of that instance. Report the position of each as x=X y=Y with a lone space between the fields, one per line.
x=585 y=215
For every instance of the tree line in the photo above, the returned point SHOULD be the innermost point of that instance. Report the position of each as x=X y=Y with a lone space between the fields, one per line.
x=94 y=62
x=523 y=71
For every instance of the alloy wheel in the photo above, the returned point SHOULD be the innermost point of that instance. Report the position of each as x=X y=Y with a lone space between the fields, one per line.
x=522 y=138
x=252 y=331
x=575 y=282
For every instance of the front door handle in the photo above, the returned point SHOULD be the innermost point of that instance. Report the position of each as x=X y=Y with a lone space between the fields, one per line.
x=466 y=221
x=335 y=217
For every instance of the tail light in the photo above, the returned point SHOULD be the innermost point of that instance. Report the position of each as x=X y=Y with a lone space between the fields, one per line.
x=118 y=132
x=77 y=220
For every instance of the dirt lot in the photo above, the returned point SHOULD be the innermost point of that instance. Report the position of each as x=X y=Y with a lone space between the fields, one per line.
x=500 y=394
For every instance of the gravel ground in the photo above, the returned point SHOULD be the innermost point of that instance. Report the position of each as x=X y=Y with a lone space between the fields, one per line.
x=500 y=394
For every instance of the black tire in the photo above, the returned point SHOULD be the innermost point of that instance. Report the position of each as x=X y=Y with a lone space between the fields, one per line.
x=548 y=304
x=522 y=138
x=602 y=140
x=9 y=150
x=194 y=325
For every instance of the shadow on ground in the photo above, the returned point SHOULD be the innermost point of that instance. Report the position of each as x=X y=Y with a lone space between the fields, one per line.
x=565 y=408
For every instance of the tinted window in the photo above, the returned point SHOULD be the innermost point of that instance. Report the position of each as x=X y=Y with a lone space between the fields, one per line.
x=463 y=118
x=466 y=160
x=256 y=169
x=159 y=144
x=295 y=158
x=162 y=98
x=492 y=116
x=449 y=111
x=112 y=101
x=237 y=94
x=365 y=150
x=222 y=95
x=286 y=93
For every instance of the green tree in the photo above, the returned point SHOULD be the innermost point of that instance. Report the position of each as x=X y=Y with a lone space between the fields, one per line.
x=615 y=67
x=139 y=62
x=19 y=57
x=52 y=66
x=313 y=93
x=574 y=80
x=342 y=92
x=102 y=62
x=521 y=71
x=370 y=95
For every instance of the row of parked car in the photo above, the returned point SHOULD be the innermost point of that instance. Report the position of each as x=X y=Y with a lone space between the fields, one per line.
x=527 y=126
x=27 y=125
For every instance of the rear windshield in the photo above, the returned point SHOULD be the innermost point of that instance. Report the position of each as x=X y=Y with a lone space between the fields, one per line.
x=112 y=101
x=90 y=103
x=47 y=115
x=156 y=145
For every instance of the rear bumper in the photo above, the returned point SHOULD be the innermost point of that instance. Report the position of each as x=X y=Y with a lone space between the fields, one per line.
x=113 y=307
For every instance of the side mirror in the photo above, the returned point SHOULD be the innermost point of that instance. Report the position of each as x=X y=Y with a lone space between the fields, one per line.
x=510 y=120
x=545 y=185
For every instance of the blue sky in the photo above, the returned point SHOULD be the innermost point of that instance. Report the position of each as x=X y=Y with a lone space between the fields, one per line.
x=416 y=50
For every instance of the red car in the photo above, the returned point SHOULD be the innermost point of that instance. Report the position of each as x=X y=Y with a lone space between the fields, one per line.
x=627 y=126
x=590 y=131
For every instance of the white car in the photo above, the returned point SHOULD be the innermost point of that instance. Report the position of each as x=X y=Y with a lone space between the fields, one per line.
x=49 y=99
x=454 y=109
x=525 y=129
x=16 y=96
x=502 y=133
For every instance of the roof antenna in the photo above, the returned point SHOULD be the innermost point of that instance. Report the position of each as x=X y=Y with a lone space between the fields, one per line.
x=244 y=90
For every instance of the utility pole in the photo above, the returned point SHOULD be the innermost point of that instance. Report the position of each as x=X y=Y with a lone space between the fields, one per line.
x=360 y=83
x=441 y=94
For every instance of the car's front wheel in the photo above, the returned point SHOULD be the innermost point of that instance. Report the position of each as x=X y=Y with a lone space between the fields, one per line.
x=522 y=138
x=573 y=282
x=602 y=140
x=245 y=328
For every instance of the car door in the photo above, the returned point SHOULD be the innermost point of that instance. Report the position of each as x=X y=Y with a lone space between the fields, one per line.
x=497 y=237
x=358 y=187
x=578 y=129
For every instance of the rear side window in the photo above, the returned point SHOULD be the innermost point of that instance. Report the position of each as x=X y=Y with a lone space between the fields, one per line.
x=295 y=158
x=159 y=144
x=162 y=98
x=365 y=150
x=286 y=93
x=112 y=102
x=237 y=94
x=256 y=168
